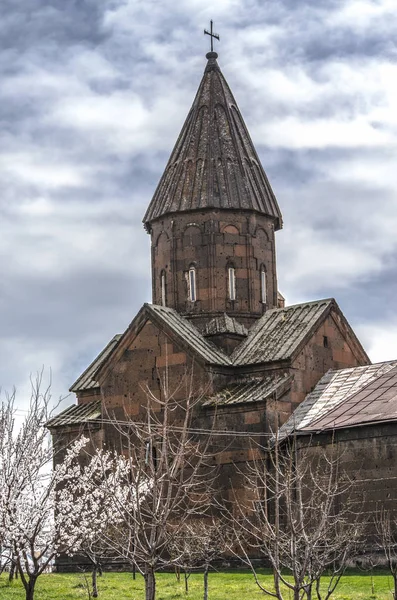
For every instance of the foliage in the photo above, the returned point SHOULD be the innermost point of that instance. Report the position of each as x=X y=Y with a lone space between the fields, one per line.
x=44 y=512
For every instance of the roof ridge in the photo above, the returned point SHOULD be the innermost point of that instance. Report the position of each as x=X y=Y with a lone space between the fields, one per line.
x=215 y=356
x=293 y=306
x=290 y=325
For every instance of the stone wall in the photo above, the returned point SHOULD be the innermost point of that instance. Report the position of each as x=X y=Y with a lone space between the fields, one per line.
x=330 y=347
x=212 y=241
x=368 y=456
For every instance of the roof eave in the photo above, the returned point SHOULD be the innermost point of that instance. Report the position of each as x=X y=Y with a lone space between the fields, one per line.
x=147 y=223
x=77 y=425
x=330 y=429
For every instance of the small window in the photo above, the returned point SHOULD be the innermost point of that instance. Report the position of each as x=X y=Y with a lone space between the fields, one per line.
x=263 y=286
x=151 y=455
x=192 y=285
x=232 y=283
x=325 y=341
x=163 y=289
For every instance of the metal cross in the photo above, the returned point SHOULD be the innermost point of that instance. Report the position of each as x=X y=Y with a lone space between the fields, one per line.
x=213 y=35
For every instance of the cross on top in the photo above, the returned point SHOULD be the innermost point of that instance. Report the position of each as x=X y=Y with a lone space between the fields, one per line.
x=212 y=35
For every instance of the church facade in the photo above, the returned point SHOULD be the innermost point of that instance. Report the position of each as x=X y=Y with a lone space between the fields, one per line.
x=216 y=310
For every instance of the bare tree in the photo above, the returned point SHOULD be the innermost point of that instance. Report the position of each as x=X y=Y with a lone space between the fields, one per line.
x=182 y=549
x=95 y=549
x=166 y=473
x=298 y=516
x=198 y=545
x=386 y=529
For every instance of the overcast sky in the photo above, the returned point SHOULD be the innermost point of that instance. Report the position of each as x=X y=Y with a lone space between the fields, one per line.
x=93 y=95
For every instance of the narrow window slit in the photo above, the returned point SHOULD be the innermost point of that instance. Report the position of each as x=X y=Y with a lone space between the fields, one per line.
x=192 y=285
x=263 y=286
x=163 y=290
x=232 y=283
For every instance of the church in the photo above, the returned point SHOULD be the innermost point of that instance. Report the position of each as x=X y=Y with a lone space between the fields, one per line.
x=216 y=312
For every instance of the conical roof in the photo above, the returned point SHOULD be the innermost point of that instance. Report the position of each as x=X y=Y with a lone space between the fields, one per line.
x=214 y=163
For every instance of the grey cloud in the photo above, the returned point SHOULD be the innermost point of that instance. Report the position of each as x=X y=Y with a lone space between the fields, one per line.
x=93 y=97
x=53 y=23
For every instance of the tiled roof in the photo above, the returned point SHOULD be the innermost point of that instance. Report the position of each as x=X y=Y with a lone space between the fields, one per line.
x=279 y=333
x=276 y=336
x=254 y=390
x=87 y=381
x=77 y=415
x=375 y=402
x=214 y=163
x=189 y=334
x=332 y=392
x=225 y=324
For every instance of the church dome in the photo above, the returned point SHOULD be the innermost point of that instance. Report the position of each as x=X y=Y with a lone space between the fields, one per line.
x=214 y=164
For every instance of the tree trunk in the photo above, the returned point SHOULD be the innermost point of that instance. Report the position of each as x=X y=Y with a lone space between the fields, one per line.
x=187 y=575
x=150 y=583
x=178 y=574
x=29 y=588
x=395 y=586
x=134 y=571
x=206 y=569
x=13 y=571
x=94 y=582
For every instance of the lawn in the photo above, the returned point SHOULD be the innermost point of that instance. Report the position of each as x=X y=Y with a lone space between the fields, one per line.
x=234 y=585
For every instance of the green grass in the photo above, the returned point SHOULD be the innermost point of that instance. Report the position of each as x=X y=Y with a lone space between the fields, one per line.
x=233 y=585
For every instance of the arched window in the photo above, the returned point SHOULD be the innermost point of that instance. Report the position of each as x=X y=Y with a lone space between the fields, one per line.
x=192 y=235
x=263 y=286
x=192 y=284
x=163 y=284
x=232 y=283
x=231 y=229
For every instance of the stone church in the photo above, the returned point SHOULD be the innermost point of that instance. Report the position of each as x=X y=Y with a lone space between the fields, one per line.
x=217 y=312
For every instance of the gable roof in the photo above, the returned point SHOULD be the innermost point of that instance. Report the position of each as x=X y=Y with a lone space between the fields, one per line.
x=187 y=332
x=278 y=335
x=343 y=398
x=77 y=415
x=214 y=163
x=280 y=332
x=87 y=380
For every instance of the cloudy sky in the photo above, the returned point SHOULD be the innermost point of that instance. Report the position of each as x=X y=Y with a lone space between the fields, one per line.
x=93 y=94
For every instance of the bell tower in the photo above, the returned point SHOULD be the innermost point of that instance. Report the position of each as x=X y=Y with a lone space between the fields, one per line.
x=213 y=216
